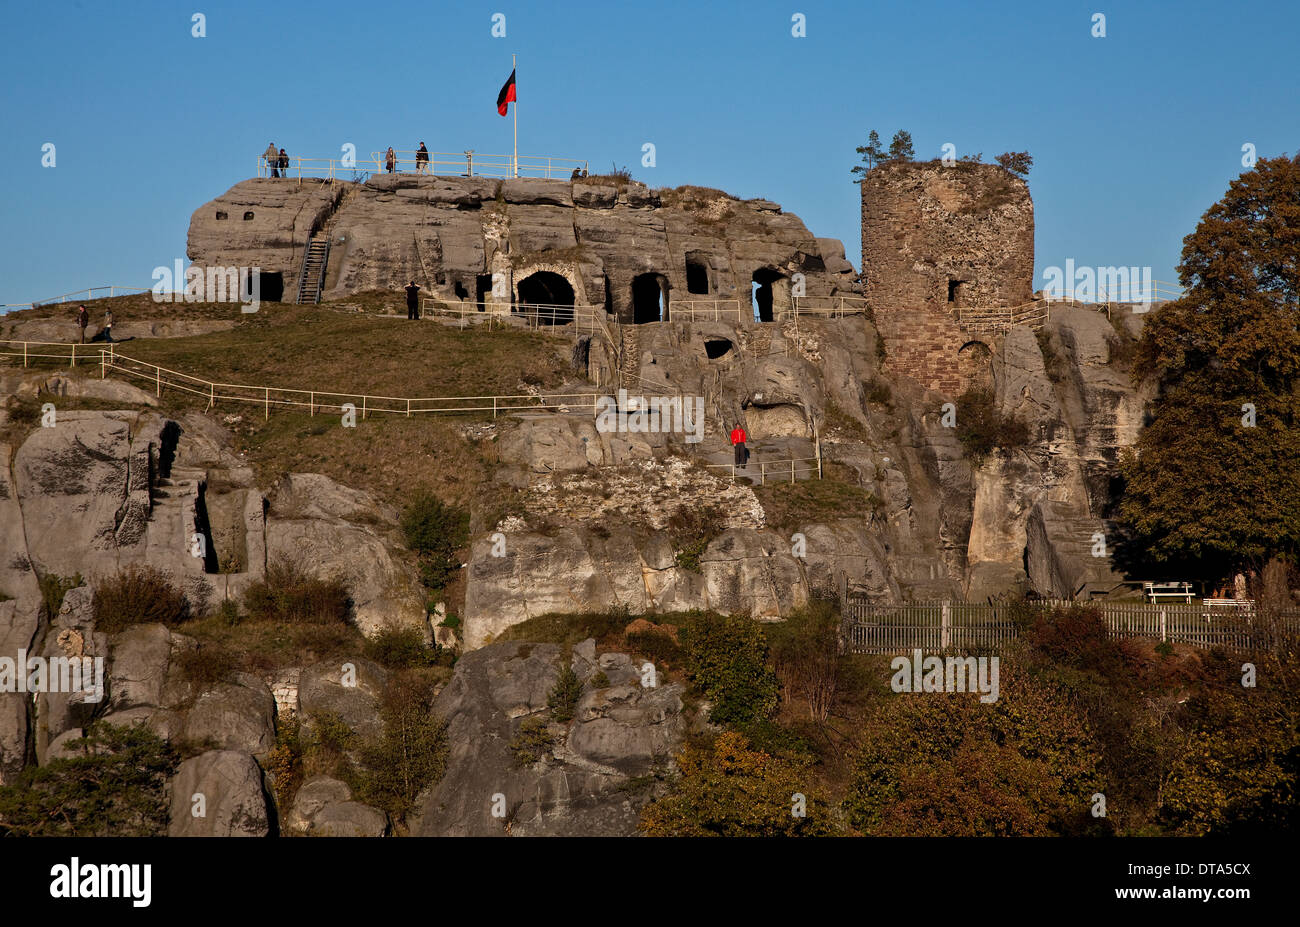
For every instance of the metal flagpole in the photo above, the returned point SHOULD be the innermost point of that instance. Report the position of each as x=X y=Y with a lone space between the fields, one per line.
x=514 y=70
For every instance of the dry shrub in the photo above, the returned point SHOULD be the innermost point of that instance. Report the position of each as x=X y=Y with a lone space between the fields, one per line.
x=288 y=595
x=139 y=594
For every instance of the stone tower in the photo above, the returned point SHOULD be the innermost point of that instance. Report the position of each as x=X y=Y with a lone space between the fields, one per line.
x=936 y=240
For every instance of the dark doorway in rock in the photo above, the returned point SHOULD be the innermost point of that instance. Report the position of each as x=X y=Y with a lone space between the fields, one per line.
x=763 y=292
x=482 y=290
x=461 y=293
x=956 y=292
x=697 y=277
x=717 y=347
x=270 y=286
x=609 y=297
x=649 y=298
x=551 y=294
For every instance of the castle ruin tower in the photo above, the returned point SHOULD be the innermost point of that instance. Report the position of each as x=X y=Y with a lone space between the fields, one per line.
x=937 y=242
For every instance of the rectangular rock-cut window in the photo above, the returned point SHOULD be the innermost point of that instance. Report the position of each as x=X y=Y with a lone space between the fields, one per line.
x=956 y=292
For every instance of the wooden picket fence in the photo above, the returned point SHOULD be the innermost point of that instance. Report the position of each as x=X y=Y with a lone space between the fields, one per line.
x=973 y=626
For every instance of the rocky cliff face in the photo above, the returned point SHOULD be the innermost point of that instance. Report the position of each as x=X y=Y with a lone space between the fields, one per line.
x=97 y=491
x=594 y=534
x=487 y=243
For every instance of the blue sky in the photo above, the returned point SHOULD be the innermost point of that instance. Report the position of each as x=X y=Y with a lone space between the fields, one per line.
x=1134 y=135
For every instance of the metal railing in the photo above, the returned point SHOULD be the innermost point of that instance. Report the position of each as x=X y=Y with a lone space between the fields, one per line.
x=440 y=163
x=51 y=350
x=901 y=628
x=113 y=289
x=774 y=470
x=1034 y=313
x=530 y=315
x=322 y=400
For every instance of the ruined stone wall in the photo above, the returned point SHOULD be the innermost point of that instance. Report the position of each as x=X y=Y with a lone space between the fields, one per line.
x=936 y=239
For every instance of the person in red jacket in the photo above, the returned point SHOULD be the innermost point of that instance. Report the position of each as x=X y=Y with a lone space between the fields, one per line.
x=738 y=437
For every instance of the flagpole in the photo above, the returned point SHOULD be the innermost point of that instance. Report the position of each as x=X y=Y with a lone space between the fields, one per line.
x=514 y=70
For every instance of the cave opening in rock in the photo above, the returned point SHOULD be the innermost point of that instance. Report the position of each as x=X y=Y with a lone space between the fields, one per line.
x=551 y=293
x=697 y=277
x=764 y=292
x=482 y=290
x=956 y=292
x=649 y=298
x=270 y=286
x=717 y=347
x=461 y=293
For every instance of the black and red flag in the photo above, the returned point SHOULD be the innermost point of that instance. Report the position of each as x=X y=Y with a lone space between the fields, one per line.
x=507 y=95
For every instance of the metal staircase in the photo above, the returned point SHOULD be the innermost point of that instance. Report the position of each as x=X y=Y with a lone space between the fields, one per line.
x=311 y=280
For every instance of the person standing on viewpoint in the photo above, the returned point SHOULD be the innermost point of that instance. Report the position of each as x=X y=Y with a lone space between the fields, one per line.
x=413 y=300
x=738 y=437
x=83 y=319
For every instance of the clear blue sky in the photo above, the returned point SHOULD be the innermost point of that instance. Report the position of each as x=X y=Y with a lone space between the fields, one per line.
x=1133 y=135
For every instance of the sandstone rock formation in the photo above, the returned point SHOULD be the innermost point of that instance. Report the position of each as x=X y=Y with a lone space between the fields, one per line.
x=620 y=731
x=546 y=241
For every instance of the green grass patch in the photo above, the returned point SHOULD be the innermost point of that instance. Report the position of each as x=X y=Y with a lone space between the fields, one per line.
x=792 y=505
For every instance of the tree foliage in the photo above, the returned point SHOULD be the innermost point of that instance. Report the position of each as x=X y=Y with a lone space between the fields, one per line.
x=728 y=789
x=1214 y=484
x=727 y=660
x=1017 y=162
x=900 y=149
x=936 y=764
x=900 y=146
x=113 y=786
x=411 y=754
x=981 y=429
x=435 y=531
x=806 y=656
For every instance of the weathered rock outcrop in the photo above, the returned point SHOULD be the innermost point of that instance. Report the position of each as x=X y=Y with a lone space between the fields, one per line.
x=580 y=784
x=323 y=807
x=567 y=241
x=226 y=786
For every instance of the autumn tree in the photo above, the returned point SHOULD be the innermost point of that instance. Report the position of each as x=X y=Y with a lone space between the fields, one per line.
x=729 y=789
x=1214 y=483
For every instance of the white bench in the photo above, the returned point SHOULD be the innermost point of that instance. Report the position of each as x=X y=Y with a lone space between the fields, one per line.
x=1224 y=607
x=1157 y=591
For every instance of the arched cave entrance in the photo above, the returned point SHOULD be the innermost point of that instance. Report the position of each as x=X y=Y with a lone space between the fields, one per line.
x=768 y=289
x=975 y=365
x=552 y=293
x=697 y=274
x=649 y=298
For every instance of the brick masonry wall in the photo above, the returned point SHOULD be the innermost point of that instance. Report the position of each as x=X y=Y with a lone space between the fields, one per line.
x=923 y=225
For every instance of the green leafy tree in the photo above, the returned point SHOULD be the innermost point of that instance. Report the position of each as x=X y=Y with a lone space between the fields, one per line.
x=872 y=154
x=727 y=660
x=564 y=695
x=435 y=531
x=114 y=785
x=411 y=754
x=900 y=146
x=1214 y=484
